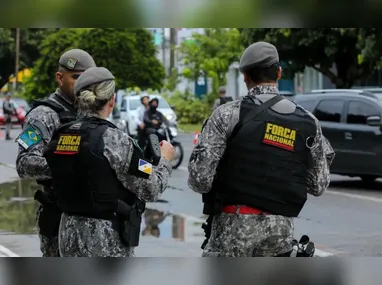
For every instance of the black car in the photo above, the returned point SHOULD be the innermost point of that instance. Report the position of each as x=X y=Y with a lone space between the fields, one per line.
x=351 y=121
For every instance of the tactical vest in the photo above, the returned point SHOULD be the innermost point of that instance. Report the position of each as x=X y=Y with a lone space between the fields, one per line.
x=84 y=183
x=64 y=116
x=266 y=160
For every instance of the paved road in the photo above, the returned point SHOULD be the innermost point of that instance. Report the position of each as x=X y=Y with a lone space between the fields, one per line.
x=345 y=220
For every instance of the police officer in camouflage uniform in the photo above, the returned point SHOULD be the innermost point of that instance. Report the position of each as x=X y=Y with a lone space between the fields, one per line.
x=101 y=177
x=40 y=123
x=255 y=162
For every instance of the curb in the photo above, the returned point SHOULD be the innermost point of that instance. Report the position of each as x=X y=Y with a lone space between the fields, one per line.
x=5 y=252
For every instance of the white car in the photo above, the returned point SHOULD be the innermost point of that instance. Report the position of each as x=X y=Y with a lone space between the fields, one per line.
x=129 y=106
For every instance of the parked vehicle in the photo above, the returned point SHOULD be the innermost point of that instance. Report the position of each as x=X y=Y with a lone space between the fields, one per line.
x=351 y=121
x=17 y=119
x=129 y=106
x=287 y=94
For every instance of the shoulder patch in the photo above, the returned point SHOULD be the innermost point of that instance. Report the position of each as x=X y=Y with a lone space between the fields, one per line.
x=29 y=137
x=145 y=166
x=280 y=137
x=68 y=144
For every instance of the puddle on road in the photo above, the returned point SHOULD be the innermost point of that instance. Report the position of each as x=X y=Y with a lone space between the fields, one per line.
x=17 y=207
x=18 y=213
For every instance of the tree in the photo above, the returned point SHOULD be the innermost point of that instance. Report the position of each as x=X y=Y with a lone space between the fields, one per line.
x=128 y=53
x=212 y=53
x=29 y=51
x=43 y=82
x=353 y=52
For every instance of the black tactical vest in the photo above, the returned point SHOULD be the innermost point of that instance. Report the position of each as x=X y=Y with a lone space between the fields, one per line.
x=266 y=160
x=64 y=115
x=84 y=183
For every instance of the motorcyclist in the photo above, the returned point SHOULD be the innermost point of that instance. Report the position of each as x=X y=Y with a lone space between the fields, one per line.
x=153 y=119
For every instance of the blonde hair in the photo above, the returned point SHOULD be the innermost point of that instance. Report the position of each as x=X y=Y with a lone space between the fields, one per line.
x=96 y=96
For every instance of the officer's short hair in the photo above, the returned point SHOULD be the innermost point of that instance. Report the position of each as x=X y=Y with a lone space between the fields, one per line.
x=264 y=74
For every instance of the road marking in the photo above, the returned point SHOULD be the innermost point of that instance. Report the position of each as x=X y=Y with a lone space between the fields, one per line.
x=355 y=196
x=8 y=165
x=7 y=252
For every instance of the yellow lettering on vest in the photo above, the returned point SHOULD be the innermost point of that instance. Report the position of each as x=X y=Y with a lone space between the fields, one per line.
x=274 y=130
x=60 y=139
x=292 y=135
x=269 y=127
x=280 y=131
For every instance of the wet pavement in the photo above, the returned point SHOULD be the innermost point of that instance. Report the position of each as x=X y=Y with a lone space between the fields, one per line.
x=18 y=225
x=344 y=221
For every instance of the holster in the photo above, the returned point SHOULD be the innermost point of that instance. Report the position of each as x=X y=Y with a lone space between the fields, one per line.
x=207 y=227
x=50 y=215
x=130 y=222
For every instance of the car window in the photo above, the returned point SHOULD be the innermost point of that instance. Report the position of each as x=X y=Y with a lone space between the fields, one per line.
x=329 y=110
x=123 y=105
x=163 y=104
x=359 y=111
x=307 y=105
x=134 y=104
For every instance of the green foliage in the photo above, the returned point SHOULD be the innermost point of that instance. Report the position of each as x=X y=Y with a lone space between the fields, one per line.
x=354 y=52
x=172 y=80
x=211 y=53
x=43 y=82
x=29 y=51
x=128 y=53
x=188 y=109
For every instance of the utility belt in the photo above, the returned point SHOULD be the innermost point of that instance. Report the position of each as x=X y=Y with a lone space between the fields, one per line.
x=127 y=218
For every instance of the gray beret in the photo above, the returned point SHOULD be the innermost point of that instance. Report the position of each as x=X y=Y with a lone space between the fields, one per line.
x=91 y=76
x=222 y=89
x=260 y=54
x=76 y=60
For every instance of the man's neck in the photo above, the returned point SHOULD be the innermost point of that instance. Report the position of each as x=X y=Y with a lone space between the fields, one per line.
x=250 y=86
x=64 y=96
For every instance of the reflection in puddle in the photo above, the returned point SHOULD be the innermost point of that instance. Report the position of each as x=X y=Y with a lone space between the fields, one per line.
x=167 y=225
x=18 y=214
x=17 y=207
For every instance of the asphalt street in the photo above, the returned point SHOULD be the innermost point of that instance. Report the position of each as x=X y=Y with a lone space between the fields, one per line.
x=344 y=221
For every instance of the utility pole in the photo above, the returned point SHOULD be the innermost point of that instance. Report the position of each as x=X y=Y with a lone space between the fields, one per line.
x=17 y=58
x=172 y=48
x=164 y=47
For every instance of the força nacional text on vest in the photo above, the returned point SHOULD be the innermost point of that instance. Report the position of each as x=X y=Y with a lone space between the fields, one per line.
x=68 y=143
x=280 y=135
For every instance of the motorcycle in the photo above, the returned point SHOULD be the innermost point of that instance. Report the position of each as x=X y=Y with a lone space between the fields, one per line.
x=169 y=133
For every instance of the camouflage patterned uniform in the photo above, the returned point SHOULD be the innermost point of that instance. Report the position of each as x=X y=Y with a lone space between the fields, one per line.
x=89 y=237
x=30 y=163
x=236 y=235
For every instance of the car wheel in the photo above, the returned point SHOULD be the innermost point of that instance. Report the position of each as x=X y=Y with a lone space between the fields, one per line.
x=368 y=179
